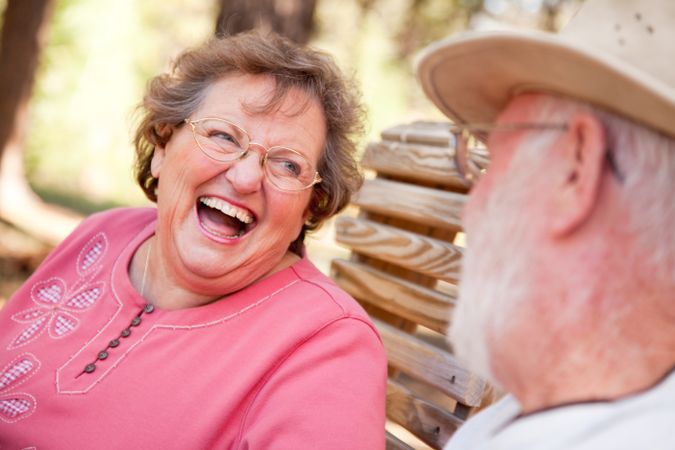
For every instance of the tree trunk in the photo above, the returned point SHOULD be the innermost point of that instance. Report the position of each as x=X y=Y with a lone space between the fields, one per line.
x=23 y=34
x=291 y=18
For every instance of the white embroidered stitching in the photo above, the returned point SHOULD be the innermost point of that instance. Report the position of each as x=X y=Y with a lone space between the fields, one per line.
x=115 y=297
x=33 y=331
x=62 y=323
x=28 y=315
x=29 y=364
x=52 y=295
x=14 y=373
x=16 y=406
x=170 y=327
x=85 y=297
x=49 y=291
x=231 y=316
x=13 y=407
x=95 y=250
x=84 y=281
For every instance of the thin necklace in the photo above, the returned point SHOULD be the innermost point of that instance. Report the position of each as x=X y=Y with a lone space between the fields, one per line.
x=145 y=269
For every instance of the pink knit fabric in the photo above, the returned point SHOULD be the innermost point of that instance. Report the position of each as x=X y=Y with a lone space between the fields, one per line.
x=290 y=362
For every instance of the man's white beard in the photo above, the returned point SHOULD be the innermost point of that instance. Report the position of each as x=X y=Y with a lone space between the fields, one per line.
x=495 y=276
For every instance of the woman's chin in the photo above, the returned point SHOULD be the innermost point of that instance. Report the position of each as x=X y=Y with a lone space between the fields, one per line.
x=200 y=258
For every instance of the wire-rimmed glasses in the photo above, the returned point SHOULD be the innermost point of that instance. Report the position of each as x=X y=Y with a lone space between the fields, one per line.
x=223 y=141
x=471 y=156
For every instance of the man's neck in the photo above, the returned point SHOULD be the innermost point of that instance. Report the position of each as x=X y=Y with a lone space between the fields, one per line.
x=597 y=376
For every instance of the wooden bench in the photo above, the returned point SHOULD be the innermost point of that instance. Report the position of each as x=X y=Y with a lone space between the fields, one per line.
x=404 y=268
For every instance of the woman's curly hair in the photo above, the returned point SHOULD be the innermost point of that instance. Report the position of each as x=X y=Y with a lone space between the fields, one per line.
x=172 y=97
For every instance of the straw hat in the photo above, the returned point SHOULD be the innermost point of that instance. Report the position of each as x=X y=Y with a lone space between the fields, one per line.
x=616 y=54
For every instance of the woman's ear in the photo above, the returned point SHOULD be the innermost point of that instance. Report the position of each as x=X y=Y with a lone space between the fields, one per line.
x=581 y=162
x=157 y=160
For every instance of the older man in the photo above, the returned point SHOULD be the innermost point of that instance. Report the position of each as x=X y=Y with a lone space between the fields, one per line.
x=567 y=299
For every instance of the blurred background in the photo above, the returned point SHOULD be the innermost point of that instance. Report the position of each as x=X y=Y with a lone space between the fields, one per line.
x=72 y=72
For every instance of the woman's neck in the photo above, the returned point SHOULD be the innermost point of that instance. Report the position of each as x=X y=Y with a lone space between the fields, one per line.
x=160 y=289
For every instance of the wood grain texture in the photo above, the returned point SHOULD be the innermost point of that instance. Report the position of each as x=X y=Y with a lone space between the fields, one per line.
x=400 y=297
x=404 y=270
x=430 y=364
x=416 y=162
x=430 y=423
x=431 y=207
x=412 y=251
x=394 y=443
x=424 y=132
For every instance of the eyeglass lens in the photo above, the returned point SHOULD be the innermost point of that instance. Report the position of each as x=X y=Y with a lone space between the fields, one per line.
x=223 y=141
x=471 y=157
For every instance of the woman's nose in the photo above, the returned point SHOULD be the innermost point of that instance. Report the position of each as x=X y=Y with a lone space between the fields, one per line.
x=246 y=174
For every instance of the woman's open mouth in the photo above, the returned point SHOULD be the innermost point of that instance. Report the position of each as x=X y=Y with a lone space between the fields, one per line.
x=223 y=220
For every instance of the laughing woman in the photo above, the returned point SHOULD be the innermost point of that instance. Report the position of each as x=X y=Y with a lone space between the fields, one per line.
x=201 y=323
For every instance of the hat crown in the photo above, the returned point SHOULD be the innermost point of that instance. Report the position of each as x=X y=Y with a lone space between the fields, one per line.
x=641 y=33
x=615 y=54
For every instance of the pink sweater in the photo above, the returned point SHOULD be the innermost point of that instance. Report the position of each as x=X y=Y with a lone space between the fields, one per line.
x=290 y=362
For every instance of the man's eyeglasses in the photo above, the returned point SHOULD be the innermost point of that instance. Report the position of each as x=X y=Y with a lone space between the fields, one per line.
x=223 y=141
x=471 y=157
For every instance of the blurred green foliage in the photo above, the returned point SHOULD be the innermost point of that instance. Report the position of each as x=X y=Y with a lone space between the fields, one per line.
x=97 y=59
x=99 y=55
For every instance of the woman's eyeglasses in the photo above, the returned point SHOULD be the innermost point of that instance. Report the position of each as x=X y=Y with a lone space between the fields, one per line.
x=223 y=141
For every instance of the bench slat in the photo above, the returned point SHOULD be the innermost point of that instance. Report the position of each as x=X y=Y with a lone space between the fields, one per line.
x=412 y=251
x=431 y=207
x=432 y=424
x=435 y=133
x=417 y=162
x=403 y=298
x=404 y=270
x=430 y=364
x=394 y=443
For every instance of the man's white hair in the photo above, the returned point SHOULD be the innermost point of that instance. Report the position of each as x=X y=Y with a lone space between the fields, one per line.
x=496 y=275
x=645 y=159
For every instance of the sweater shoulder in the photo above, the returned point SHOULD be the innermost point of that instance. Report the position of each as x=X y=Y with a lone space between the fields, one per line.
x=324 y=289
x=125 y=217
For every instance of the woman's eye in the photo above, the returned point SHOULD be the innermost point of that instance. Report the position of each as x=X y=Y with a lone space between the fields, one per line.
x=222 y=137
x=292 y=167
x=286 y=166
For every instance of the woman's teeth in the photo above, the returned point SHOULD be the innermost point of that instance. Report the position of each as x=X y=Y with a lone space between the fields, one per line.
x=227 y=209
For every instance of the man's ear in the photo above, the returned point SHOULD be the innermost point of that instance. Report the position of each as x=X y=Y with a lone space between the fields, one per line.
x=582 y=162
x=157 y=160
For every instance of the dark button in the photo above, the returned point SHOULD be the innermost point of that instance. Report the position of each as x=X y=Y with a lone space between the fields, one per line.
x=114 y=343
x=135 y=321
x=148 y=308
x=125 y=333
x=102 y=355
x=89 y=368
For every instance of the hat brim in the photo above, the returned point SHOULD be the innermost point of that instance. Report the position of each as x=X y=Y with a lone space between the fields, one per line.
x=473 y=77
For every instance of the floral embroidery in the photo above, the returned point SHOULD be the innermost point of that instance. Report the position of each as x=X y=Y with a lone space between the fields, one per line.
x=91 y=254
x=57 y=305
x=16 y=406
